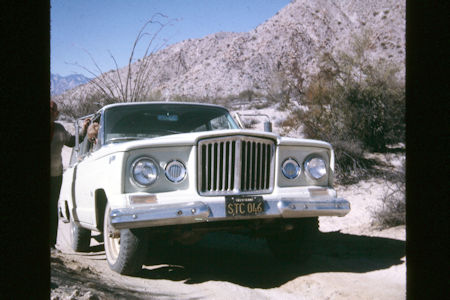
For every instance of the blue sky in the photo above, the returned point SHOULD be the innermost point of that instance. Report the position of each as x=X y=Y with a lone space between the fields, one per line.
x=104 y=26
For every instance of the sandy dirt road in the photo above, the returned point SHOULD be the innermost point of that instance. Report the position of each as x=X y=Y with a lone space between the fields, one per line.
x=225 y=266
x=351 y=260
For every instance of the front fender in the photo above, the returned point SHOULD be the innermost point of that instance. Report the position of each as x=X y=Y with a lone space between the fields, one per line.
x=98 y=174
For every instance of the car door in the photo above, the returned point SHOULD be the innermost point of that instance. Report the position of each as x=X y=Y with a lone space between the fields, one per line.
x=84 y=175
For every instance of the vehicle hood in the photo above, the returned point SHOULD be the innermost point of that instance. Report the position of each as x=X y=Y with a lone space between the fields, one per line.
x=191 y=139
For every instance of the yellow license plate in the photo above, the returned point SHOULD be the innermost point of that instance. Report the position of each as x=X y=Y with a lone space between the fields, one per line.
x=244 y=205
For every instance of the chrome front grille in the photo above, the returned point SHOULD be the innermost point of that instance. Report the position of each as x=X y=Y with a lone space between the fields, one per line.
x=235 y=165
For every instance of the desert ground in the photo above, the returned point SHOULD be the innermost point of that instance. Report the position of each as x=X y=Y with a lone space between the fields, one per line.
x=353 y=259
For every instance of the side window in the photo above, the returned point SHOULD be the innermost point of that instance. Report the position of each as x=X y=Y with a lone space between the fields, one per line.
x=220 y=122
x=77 y=156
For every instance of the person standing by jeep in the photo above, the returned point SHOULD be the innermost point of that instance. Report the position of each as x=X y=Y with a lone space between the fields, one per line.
x=58 y=138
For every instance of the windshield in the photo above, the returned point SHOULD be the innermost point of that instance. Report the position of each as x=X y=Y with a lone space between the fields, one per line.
x=130 y=122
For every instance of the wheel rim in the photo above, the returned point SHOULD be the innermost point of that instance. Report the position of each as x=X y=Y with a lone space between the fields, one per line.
x=112 y=244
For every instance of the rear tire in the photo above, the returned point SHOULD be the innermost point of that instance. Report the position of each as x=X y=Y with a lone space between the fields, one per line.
x=296 y=244
x=80 y=238
x=125 y=249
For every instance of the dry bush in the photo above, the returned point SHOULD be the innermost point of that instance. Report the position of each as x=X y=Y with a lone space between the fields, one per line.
x=355 y=104
x=85 y=105
x=247 y=94
x=369 y=108
x=393 y=210
x=260 y=103
x=250 y=123
x=134 y=85
x=290 y=124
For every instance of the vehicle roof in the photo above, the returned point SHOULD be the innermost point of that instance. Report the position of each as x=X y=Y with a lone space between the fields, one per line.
x=162 y=103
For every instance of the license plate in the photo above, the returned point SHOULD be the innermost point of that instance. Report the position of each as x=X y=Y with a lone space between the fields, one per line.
x=244 y=205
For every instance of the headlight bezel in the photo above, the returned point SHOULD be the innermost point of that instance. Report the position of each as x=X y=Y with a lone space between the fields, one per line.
x=155 y=171
x=180 y=178
x=297 y=166
x=311 y=172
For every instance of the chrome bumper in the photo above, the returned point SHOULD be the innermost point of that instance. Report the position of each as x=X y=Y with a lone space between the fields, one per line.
x=201 y=211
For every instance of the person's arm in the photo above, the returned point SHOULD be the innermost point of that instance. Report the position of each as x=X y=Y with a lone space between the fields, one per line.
x=71 y=141
x=92 y=132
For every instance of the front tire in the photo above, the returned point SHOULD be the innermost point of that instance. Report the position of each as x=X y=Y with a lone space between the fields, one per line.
x=125 y=249
x=80 y=238
x=296 y=244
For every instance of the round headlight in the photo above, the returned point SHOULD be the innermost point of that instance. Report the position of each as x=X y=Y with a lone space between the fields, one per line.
x=144 y=171
x=290 y=168
x=316 y=167
x=175 y=171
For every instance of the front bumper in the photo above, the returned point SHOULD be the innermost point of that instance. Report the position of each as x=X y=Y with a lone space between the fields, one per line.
x=204 y=211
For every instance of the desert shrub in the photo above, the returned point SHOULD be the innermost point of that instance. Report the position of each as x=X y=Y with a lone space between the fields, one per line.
x=353 y=121
x=351 y=164
x=181 y=98
x=374 y=113
x=369 y=107
x=250 y=123
x=154 y=95
x=393 y=210
x=134 y=82
x=67 y=110
x=355 y=105
x=290 y=124
x=260 y=103
x=85 y=105
x=247 y=94
x=284 y=84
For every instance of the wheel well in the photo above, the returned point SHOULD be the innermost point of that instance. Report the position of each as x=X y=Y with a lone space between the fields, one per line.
x=100 y=205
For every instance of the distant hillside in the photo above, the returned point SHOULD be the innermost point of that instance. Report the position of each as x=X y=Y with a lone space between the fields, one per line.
x=224 y=64
x=59 y=84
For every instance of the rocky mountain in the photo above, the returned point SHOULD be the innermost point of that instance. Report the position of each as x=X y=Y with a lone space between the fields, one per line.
x=59 y=84
x=225 y=64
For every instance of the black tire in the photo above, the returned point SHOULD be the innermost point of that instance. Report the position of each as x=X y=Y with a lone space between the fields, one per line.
x=80 y=238
x=296 y=244
x=125 y=249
